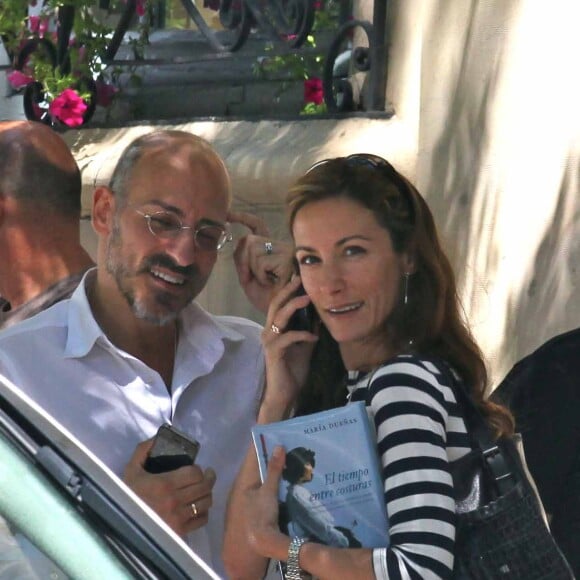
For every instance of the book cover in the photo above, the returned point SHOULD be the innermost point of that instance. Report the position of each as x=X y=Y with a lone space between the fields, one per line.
x=331 y=490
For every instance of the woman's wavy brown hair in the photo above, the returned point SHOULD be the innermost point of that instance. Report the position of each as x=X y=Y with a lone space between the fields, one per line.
x=431 y=323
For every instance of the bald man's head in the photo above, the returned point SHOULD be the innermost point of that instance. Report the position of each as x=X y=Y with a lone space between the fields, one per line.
x=36 y=166
x=167 y=144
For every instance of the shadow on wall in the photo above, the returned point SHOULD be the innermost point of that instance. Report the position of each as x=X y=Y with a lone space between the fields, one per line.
x=548 y=304
x=263 y=157
x=463 y=198
x=498 y=180
x=459 y=156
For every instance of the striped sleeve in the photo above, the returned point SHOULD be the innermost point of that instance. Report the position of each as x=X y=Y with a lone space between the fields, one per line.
x=411 y=415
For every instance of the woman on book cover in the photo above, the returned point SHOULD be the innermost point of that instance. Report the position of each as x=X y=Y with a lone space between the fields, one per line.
x=305 y=516
x=389 y=326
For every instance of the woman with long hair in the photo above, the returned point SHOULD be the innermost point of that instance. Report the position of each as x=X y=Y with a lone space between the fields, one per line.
x=390 y=333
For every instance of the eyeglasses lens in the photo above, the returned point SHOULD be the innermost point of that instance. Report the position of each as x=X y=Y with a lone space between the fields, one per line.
x=166 y=225
x=211 y=238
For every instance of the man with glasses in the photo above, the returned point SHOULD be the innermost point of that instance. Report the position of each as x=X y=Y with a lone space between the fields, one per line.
x=131 y=350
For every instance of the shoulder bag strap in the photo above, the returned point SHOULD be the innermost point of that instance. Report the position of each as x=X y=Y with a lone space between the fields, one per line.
x=481 y=434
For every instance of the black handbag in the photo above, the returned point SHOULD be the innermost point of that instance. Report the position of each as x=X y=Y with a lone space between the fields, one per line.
x=501 y=532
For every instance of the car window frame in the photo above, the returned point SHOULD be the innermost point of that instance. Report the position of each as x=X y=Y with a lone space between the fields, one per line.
x=43 y=515
x=132 y=530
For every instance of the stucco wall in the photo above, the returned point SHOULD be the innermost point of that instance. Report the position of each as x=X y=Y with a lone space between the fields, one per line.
x=499 y=160
x=487 y=122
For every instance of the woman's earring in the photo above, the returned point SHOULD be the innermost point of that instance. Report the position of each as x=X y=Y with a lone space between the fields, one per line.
x=406 y=293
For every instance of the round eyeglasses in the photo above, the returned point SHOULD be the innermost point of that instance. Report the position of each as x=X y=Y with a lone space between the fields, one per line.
x=166 y=225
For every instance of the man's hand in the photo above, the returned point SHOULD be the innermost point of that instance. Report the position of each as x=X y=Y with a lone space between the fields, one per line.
x=263 y=265
x=174 y=493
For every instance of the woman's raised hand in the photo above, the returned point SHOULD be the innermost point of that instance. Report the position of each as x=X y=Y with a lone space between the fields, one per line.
x=287 y=353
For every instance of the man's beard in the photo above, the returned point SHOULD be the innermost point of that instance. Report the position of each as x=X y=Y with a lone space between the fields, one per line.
x=122 y=275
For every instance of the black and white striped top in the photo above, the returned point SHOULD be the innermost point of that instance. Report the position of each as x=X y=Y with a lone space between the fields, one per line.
x=419 y=431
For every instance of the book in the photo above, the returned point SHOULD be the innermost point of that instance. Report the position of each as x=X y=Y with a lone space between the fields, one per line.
x=331 y=489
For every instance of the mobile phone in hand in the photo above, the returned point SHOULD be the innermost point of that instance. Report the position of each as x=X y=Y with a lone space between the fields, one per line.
x=303 y=318
x=171 y=449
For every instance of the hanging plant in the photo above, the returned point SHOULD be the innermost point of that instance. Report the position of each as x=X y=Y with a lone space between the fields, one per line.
x=57 y=49
x=306 y=65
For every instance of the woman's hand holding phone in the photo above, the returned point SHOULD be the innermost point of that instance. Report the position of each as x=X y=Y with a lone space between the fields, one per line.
x=287 y=351
x=304 y=318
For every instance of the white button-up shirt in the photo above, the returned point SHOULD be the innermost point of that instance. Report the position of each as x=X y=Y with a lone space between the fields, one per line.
x=112 y=401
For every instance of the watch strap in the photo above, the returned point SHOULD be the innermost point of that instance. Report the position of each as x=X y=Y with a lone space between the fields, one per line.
x=293 y=570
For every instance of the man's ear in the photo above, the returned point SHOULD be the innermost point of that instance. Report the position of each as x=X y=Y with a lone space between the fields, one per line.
x=103 y=210
x=2 y=207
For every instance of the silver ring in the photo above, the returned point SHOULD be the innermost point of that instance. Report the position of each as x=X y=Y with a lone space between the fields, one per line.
x=268 y=248
x=194 y=509
x=275 y=329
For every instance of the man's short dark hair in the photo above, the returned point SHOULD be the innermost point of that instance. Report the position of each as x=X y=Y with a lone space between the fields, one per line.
x=27 y=175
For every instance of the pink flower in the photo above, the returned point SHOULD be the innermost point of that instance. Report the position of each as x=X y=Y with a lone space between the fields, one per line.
x=313 y=92
x=105 y=93
x=33 y=23
x=18 y=79
x=69 y=108
x=43 y=28
x=38 y=25
x=140 y=8
x=318 y=5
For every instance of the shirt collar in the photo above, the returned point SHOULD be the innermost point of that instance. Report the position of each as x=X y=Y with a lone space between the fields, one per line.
x=84 y=331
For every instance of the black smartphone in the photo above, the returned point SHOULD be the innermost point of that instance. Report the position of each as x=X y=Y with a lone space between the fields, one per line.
x=303 y=318
x=171 y=449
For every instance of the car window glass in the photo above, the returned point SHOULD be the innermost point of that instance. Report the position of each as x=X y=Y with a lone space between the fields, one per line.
x=33 y=507
x=20 y=559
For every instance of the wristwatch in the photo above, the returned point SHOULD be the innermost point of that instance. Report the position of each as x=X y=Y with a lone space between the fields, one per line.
x=293 y=571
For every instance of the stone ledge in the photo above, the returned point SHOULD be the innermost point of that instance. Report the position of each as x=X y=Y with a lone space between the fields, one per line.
x=263 y=157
